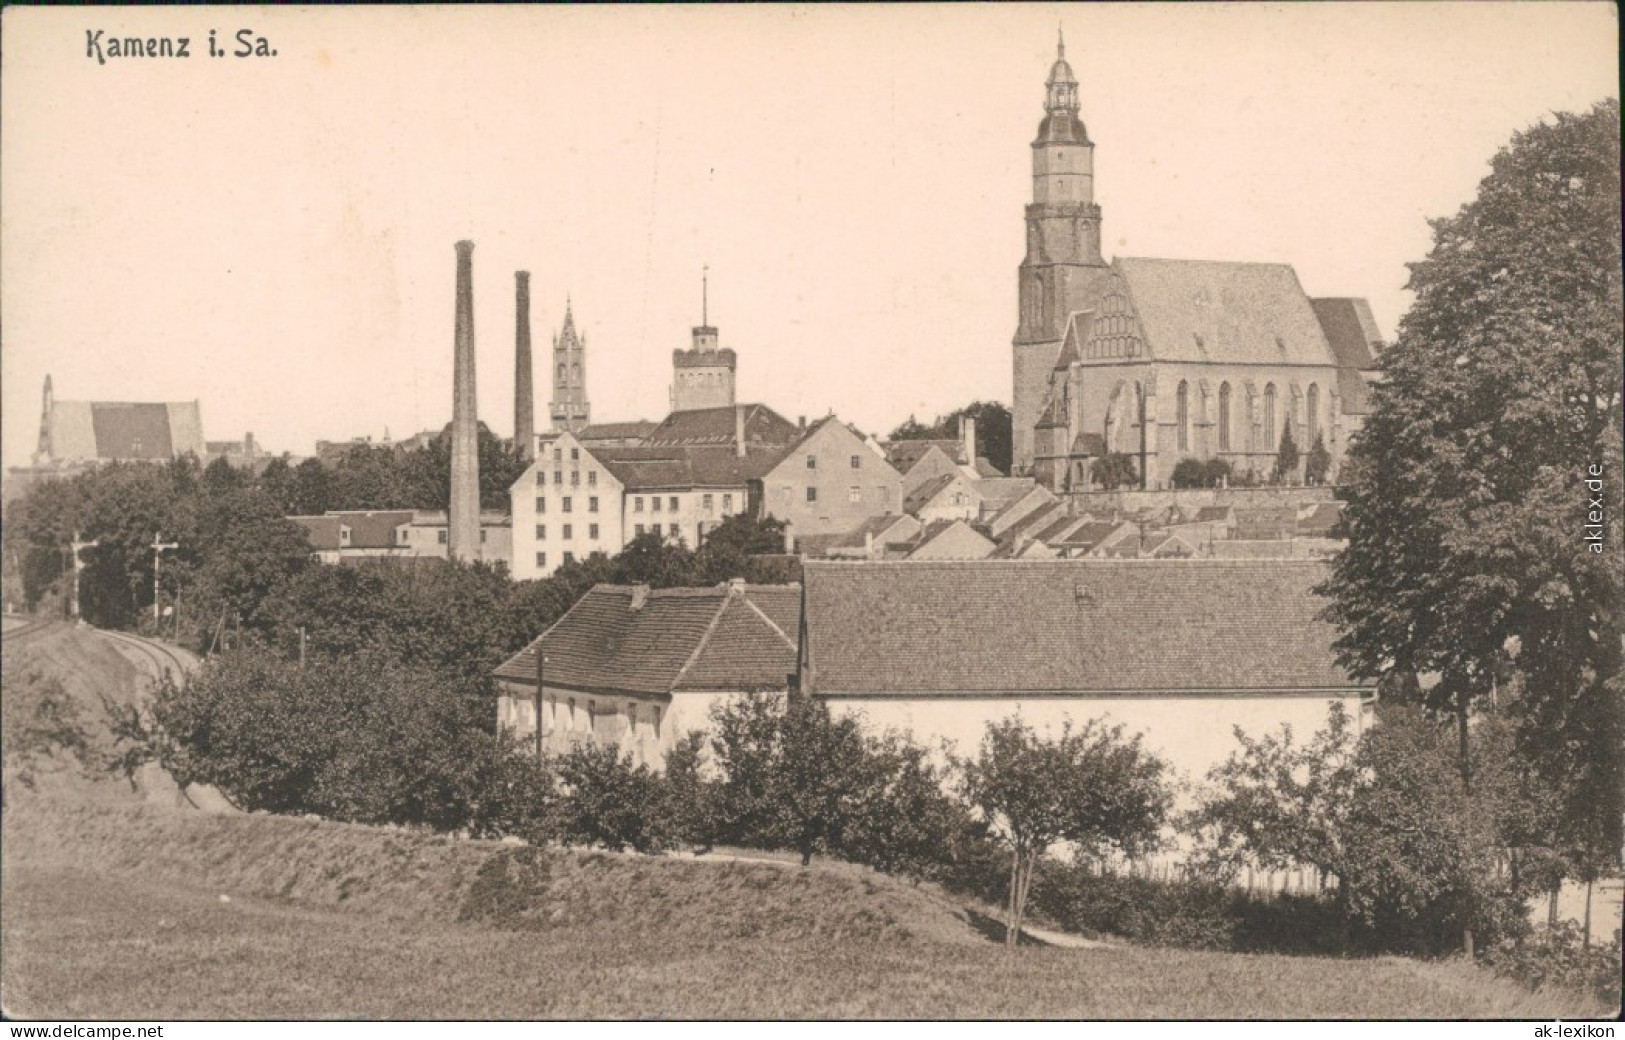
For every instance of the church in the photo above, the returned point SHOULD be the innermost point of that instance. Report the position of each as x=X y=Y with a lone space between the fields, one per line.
x=1166 y=360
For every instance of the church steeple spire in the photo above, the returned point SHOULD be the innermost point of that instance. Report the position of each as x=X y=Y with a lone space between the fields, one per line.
x=1062 y=87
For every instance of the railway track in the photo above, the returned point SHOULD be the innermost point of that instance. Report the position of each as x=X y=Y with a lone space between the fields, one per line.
x=28 y=628
x=159 y=658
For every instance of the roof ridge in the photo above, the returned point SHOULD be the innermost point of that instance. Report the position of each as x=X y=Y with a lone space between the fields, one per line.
x=770 y=622
x=704 y=641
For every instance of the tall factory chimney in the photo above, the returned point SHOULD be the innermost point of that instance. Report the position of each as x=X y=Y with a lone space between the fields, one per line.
x=464 y=513
x=524 y=388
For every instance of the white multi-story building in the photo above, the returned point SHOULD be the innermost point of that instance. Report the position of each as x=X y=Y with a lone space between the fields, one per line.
x=574 y=501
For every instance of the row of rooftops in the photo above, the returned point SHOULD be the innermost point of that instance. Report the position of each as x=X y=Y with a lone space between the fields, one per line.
x=956 y=628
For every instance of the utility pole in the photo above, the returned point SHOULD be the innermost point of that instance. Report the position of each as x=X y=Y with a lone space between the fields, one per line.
x=158 y=547
x=78 y=547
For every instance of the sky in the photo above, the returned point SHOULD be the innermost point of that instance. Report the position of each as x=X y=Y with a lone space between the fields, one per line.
x=273 y=235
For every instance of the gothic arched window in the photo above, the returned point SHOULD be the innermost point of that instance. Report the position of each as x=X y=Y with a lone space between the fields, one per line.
x=1269 y=417
x=1224 y=417
x=1312 y=414
x=1182 y=404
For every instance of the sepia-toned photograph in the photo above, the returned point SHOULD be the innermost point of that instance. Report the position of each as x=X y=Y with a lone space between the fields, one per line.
x=900 y=512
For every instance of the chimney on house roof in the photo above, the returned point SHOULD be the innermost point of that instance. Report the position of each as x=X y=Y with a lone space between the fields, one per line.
x=640 y=596
x=967 y=432
x=789 y=539
x=736 y=586
x=739 y=430
x=868 y=545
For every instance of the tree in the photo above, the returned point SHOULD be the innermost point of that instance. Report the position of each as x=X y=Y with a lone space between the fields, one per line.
x=311 y=489
x=993 y=431
x=1465 y=510
x=1088 y=786
x=1190 y=473
x=1218 y=472
x=793 y=775
x=1116 y=470
x=1286 y=458
x=1318 y=463
x=1414 y=857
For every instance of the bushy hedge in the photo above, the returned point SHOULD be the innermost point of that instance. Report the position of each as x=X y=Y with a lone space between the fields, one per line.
x=1559 y=957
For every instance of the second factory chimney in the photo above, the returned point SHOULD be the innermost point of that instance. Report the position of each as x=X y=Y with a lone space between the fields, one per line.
x=464 y=513
x=524 y=389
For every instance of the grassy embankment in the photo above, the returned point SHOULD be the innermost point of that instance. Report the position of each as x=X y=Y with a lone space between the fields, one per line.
x=112 y=908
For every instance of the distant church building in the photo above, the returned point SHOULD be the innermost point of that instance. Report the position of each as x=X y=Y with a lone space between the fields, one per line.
x=1164 y=360
x=703 y=376
x=77 y=432
x=570 y=409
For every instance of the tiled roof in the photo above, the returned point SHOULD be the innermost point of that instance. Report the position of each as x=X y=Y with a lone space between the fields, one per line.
x=1000 y=491
x=995 y=627
x=1214 y=514
x=1087 y=535
x=922 y=495
x=986 y=470
x=715 y=426
x=718 y=638
x=639 y=467
x=84 y=430
x=368 y=529
x=1319 y=520
x=1351 y=331
x=905 y=455
x=1091 y=444
x=1210 y=311
x=617 y=431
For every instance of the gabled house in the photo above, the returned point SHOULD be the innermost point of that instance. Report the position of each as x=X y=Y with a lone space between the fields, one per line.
x=829 y=482
x=950 y=540
x=344 y=534
x=951 y=496
x=1180 y=650
x=634 y=668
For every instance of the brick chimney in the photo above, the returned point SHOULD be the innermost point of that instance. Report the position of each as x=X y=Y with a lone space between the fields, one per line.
x=463 y=516
x=524 y=386
x=967 y=432
x=640 y=596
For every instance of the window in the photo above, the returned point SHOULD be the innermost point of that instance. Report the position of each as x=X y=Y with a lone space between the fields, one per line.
x=541 y=478
x=482 y=536
x=854 y=494
x=442 y=538
x=592 y=504
x=654 y=718
x=654 y=503
x=671 y=529
x=568 y=532
x=857 y=462
x=812 y=494
x=541 y=505
x=558 y=476
x=1269 y=417
x=812 y=461
x=592 y=531
x=558 y=453
x=564 y=504
x=344 y=535
x=727 y=504
x=541 y=559
x=637 y=504
x=575 y=454
x=637 y=531
x=632 y=718
x=541 y=532
x=1313 y=415
x=885 y=495
x=1182 y=415
x=1224 y=417
x=569 y=557
x=592 y=478
x=672 y=504
x=705 y=503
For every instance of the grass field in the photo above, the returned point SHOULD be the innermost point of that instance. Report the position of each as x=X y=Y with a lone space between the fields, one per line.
x=113 y=908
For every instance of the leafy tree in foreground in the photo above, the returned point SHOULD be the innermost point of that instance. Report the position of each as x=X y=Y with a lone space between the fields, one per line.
x=1468 y=507
x=1088 y=786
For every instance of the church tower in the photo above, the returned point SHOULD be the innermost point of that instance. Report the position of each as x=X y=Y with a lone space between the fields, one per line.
x=569 y=407
x=1063 y=264
x=703 y=376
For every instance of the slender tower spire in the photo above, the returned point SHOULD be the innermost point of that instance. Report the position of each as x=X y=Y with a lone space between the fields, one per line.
x=464 y=513
x=524 y=387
